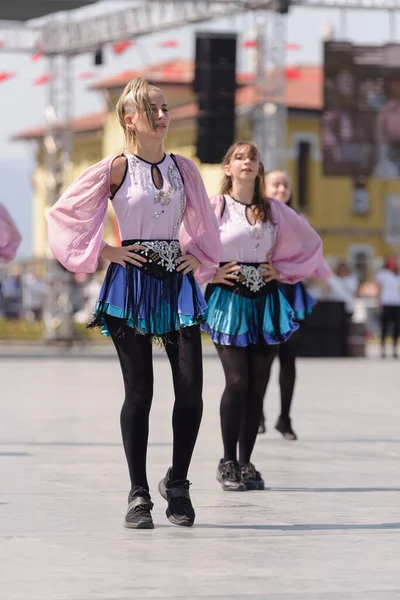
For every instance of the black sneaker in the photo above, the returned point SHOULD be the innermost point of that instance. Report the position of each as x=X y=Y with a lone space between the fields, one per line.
x=138 y=514
x=251 y=478
x=284 y=426
x=180 y=510
x=262 y=428
x=228 y=475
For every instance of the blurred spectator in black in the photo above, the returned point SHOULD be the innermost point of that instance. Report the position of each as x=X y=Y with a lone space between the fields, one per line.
x=388 y=279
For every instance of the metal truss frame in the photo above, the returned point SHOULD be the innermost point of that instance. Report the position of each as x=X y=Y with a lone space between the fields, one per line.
x=58 y=144
x=149 y=16
x=269 y=117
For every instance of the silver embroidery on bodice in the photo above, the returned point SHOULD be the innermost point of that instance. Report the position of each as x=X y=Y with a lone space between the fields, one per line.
x=176 y=183
x=256 y=231
x=162 y=197
x=253 y=277
x=167 y=252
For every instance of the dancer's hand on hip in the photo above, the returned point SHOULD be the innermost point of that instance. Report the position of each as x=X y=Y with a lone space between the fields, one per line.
x=226 y=274
x=188 y=263
x=124 y=254
x=269 y=271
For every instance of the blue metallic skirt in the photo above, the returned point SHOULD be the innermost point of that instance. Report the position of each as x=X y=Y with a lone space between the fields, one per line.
x=154 y=299
x=299 y=299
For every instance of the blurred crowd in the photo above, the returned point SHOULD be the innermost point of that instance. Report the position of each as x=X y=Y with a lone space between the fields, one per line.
x=24 y=293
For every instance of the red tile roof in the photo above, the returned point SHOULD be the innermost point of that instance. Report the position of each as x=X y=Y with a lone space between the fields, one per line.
x=84 y=124
x=307 y=91
x=303 y=85
x=179 y=71
x=303 y=91
x=174 y=71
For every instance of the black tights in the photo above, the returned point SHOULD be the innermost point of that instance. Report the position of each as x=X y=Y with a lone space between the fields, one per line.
x=390 y=317
x=135 y=355
x=287 y=353
x=246 y=374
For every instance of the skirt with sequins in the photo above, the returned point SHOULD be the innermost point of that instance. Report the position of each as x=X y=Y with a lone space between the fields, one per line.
x=249 y=312
x=154 y=299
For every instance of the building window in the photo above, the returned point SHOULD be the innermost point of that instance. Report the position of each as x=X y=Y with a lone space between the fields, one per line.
x=392 y=219
x=305 y=151
x=360 y=199
x=361 y=258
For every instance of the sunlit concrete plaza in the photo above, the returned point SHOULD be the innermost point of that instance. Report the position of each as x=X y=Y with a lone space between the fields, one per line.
x=328 y=526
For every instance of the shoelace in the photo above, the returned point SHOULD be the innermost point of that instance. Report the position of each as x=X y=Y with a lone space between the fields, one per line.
x=138 y=492
x=183 y=484
x=142 y=509
x=249 y=471
x=231 y=471
x=182 y=501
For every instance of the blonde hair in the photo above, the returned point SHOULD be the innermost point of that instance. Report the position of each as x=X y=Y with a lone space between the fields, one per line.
x=290 y=203
x=260 y=205
x=135 y=98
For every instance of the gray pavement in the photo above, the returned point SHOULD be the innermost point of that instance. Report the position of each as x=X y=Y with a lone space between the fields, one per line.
x=328 y=526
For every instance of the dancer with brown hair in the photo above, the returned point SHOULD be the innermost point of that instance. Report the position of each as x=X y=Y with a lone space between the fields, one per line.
x=247 y=316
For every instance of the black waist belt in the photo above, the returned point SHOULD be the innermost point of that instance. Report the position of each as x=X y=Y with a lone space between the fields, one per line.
x=251 y=281
x=161 y=256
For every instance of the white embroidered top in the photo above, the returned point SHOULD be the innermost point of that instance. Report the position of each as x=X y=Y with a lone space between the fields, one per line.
x=144 y=212
x=240 y=240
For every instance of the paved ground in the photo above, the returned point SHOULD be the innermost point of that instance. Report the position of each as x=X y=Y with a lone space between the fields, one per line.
x=328 y=527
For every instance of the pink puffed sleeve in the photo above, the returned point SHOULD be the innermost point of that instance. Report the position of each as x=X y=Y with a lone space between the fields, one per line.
x=205 y=274
x=323 y=272
x=10 y=237
x=76 y=222
x=298 y=248
x=199 y=233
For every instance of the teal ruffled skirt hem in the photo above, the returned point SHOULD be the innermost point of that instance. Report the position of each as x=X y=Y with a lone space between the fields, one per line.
x=157 y=324
x=238 y=320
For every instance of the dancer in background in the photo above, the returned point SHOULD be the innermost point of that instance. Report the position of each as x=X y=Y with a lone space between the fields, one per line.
x=262 y=241
x=277 y=186
x=169 y=232
x=10 y=238
x=388 y=279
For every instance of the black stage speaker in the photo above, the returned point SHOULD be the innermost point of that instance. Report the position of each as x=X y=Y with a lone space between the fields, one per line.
x=98 y=57
x=325 y=331
x=303 y=170
x=215 y=86
x=282 y=6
